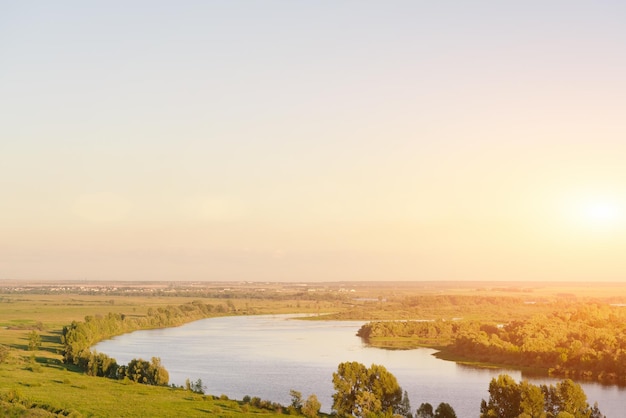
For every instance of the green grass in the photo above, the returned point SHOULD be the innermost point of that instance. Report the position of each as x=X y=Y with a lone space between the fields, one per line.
x=39 y=377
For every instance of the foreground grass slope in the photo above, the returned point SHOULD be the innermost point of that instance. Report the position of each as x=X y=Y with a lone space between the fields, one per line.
x=40 y=378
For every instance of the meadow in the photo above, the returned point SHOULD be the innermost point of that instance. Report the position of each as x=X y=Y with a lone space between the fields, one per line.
x=39 y=377
x=39 y=380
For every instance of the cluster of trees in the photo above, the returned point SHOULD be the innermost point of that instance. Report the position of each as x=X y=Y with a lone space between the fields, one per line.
x=584 y=341
x=421 y=332
x=138 y=370
x=309 y=407
x=79 y=337
x=509 y=399
x=444 y=410
x=365 y=392
x=368 y=392
x=146 y=372
x=374 y=392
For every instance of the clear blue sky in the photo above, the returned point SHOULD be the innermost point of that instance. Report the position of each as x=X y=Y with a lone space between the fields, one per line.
x=283 y=140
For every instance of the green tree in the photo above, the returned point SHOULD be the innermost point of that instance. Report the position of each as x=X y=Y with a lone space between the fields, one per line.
x=362 y=392
x=572 y=399
x=504 y=399
x=296 y=399
x=149 y=373
x=532 y=402
x=386 y=388
x=196 y=387
x=34 y=341
x=444 y=410
x=159 y=375
x=568 y=397
x=311 y=406
x=509 y=399
x=425 y=411
x=404 y=408
x=349 y=381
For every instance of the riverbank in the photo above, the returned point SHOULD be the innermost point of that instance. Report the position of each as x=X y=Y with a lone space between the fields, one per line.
x=38 y=382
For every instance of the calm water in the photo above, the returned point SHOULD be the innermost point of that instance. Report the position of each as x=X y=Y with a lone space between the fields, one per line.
x=267 y=356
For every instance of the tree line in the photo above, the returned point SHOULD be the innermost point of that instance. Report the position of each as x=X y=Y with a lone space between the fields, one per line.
x=78 y=338
x=509 y=399
x=584 y=341
x=374 y=392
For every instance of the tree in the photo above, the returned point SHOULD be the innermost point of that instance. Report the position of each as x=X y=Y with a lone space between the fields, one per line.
x=149 y=373
x=386 y=388
x=159 y=375
x=311 y=406
x=296 y=402
x=34 y=341
x=349 y=381
x=572 y=399
x=595 y=412
x=532 y=402
x=404 y=408
x=504 y=399
x=296 y=399
x=444 y=410
x=425 y=411
x=195 y=387
x=361 y=391
x=509 y=399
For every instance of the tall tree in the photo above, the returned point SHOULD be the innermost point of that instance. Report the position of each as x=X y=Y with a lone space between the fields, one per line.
x=532 y=402
x=572 y=399
x=425 y=411
x=504 y=399
x=362 y=392
x=444 y=410
x=311 y=406
x=349 y=381
x=509 y=399
x=404 y=408
x=296 y=399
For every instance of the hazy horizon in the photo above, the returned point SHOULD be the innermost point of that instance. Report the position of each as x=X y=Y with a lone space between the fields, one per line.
x=312 y=141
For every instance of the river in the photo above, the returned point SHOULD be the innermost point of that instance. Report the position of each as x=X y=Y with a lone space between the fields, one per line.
x=267 y=356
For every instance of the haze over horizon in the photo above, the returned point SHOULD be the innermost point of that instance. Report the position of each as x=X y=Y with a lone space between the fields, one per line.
x=313 y=141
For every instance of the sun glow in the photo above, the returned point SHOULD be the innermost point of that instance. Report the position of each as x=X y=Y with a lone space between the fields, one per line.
x=601 y=212
x=598 y=212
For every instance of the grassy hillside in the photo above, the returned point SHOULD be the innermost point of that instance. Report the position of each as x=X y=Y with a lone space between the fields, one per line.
x=39 y=378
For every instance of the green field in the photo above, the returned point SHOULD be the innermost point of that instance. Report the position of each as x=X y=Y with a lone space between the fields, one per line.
x=40 y=379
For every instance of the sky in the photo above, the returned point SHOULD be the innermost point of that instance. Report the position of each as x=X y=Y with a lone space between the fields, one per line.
x=313 y=140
